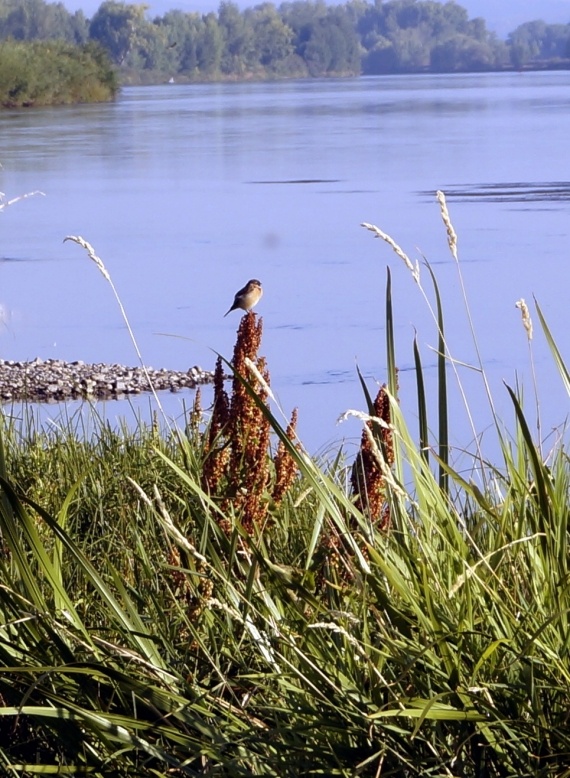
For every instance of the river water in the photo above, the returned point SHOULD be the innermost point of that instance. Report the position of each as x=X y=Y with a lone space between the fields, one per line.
x=186 y=192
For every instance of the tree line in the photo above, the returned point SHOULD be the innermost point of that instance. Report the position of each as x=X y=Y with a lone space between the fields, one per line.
x=298 y=38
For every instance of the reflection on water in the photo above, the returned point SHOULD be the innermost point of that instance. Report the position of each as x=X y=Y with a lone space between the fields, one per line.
x=188 y=191
x=300 y=181
x=519 y=192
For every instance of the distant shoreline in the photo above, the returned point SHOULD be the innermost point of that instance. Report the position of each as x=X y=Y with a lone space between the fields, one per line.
x=162 y=79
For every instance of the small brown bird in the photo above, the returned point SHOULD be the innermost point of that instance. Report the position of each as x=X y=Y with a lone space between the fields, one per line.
x=247 y=297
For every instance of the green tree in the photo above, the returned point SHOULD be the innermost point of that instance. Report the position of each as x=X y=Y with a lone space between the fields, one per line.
x=411 y=50
x=181 y=33
x=462 y=53
x=538 y=41
x=210 y=46
x=148 y=48
x=408 y=35
x=116 y=26
x=380 y=57
x=272 y=38
x=328 y=43
x=238 y=38
x=555 y=42
x=302 y=16
x=27 y=20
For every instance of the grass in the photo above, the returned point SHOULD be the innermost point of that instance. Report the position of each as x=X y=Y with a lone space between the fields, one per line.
x=181 y=603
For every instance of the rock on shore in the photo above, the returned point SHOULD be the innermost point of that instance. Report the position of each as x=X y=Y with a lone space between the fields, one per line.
x=53 y=380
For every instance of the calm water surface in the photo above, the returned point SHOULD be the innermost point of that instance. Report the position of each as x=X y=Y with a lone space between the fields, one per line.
x=188 y=191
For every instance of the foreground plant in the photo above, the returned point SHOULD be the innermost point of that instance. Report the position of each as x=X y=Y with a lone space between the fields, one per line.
x=238 y=461
x=146 y=631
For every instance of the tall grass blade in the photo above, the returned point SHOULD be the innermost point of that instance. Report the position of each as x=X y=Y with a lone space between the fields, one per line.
x=422 y=403
x=390 y=345
x=560 y=364
x=542 y=482
x=367 y=395
x=442 y=398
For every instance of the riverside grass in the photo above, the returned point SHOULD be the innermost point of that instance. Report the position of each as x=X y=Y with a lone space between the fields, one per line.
x=144 y=631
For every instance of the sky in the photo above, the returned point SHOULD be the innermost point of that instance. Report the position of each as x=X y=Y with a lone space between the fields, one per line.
x=502 y=16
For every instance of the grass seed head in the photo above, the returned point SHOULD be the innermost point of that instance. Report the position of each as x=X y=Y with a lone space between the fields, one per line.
x=451 y=234
x=526 y=320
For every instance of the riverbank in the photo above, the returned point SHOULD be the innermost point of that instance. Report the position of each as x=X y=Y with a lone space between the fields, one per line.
x=54 y=380
x=156 y=78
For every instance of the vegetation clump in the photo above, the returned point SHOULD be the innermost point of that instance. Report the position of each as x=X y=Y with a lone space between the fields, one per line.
x=408 y=621
x=54 y=73
x=237 y=465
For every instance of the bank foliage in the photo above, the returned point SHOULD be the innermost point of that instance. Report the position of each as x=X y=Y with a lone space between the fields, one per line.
x=295 y=39
x=54 y=73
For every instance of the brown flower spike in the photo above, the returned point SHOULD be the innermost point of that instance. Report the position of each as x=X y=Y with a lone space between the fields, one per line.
x=367 y=481
x=238 y=465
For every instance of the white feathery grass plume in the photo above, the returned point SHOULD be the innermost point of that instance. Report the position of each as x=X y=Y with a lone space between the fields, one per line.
x=378 y=233
x=142 y=494
x=100 y=264
x=527 y=324
x=267 y=389
x=525 y=313
x=363 y=417
x=5 y=203
x=167 y=523
x=170 y=527
x=260 y=379
x=90 y=253
x=451 y=234
x=259 y=637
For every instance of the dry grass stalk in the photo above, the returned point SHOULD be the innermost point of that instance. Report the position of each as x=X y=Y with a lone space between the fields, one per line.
x=6 y=203
x=105 y=273
x=196 y=414
x=378 y=233
x=367 y=480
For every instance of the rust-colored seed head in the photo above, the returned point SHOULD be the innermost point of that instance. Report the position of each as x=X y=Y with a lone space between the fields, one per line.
x=285 y=465
x=367 y=481
x=178 y=577
x=220 y=412
x=214 y=449
x=214 y=468
x=382 y=411
x=237 y=466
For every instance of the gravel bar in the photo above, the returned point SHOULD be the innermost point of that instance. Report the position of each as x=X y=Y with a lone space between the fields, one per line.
x=53 y=380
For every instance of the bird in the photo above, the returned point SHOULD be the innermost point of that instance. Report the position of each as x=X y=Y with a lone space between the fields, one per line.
x=247 y=297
